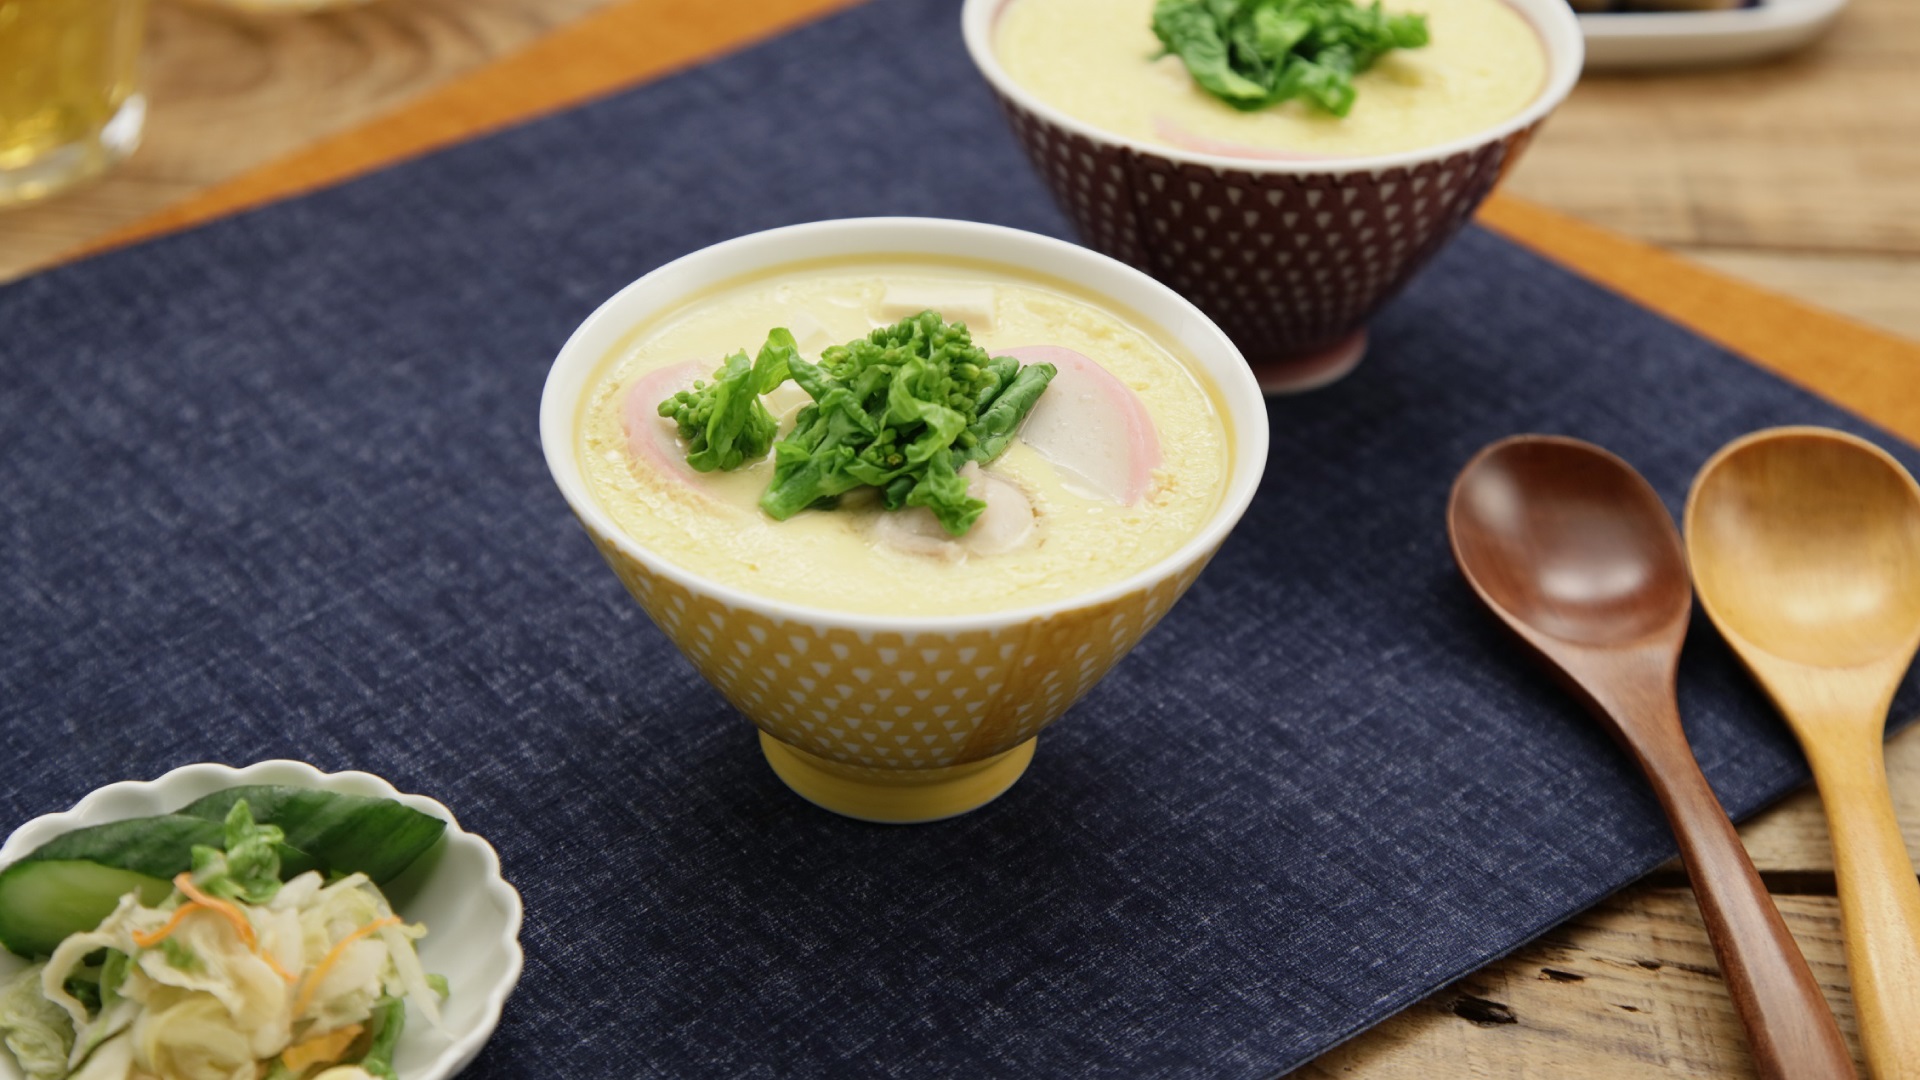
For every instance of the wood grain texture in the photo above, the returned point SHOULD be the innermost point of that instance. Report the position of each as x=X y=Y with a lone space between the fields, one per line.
x=1862 y=369
x=1626 y=991
x=1789 y=843
x=1805 y=546
x=1522 y=520
x=1630 y=990
x=619 y=46
x=230 y=92
x=1815 y=151
x=1879 y=290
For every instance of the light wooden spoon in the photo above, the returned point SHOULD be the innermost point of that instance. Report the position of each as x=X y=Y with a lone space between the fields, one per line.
x=1805 y=546
x=1574 y=551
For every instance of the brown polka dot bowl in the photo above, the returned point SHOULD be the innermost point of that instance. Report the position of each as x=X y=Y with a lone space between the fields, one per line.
x=902 y=719
x=1290 y=256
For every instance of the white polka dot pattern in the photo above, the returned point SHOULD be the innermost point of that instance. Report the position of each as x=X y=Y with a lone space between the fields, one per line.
x=1287 y=263
x=890 y=701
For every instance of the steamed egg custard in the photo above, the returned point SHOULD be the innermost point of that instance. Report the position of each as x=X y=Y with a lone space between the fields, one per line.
x=1113 y=466
x=1100 y=62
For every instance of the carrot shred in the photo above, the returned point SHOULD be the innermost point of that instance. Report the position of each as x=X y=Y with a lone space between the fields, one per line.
x=312 y=982
x=151 y=938
x=275 y=965
x=321 y=1049
x=227 y=911
x=200 y=901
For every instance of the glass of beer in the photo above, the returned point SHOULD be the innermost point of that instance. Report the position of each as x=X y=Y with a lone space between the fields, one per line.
x=283 y=7
x=70 y=100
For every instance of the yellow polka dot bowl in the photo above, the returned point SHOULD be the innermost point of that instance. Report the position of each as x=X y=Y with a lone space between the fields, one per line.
x=901 y=719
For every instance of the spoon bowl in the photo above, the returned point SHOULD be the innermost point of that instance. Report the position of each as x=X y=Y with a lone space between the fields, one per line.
x=1808 y=546
x=1805 y=546
x=1576 y=553
x=1597 y=563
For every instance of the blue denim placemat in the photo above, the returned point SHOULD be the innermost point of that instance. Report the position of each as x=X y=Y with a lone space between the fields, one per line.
x=274 y=488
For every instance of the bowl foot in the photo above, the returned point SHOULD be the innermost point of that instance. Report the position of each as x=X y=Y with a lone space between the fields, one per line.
x=1312 y=371
x=915 y=795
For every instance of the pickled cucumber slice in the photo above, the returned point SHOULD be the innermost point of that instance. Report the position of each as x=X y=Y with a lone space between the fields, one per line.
x=345 y=834
x=44 y=901
x=158 y=847
x=70 y=883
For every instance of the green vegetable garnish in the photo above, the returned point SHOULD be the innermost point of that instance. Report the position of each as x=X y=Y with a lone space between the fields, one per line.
x=388 y=1019
x=344 y=833
x=1255 y=53
x=179 y=956
x=723 y=421
x=249 y=868
x=84 y=985
x=900 y=410
x=113 y=975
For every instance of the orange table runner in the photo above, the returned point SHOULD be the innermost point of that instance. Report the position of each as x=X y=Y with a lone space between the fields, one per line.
x=1872 y=373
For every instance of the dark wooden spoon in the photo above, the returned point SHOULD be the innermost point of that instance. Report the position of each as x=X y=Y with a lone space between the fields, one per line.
x=1574 y=551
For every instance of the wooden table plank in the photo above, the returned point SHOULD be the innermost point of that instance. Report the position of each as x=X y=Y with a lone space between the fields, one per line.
x=1814 y=152
x=1881 y=290
x=1795 y=175
x=230 y=92
x=1631 y=988
x=623 y=44
x=1853 y=365
x=1627 y=991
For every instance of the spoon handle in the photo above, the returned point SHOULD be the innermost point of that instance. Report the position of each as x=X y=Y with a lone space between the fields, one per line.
x=1879 y=897
x=1790 y=1030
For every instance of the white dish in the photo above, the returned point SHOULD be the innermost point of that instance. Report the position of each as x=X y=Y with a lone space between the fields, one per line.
x=472 y=914
x=1628 y=40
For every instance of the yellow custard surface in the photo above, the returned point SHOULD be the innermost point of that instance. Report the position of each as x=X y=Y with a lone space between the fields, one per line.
x=714 y=527
x=1094 y=61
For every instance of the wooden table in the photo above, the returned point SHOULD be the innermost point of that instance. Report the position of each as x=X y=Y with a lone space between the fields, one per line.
x=1797 y=175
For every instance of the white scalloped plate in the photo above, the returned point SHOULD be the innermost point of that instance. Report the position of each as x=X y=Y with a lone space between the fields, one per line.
x=472 y=914
x=1626 y=40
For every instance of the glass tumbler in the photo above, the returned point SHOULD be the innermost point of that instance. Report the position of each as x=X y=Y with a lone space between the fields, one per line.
x=70 y=100
x=282 y=7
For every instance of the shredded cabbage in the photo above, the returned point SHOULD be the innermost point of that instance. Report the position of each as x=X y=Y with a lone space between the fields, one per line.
x=38 y=1032
x=112 y=1061
x=224 y=977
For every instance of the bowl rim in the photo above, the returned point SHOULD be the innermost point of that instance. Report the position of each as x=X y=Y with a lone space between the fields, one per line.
x=1552 y=20
x=1219 y=359
x=94 y=809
